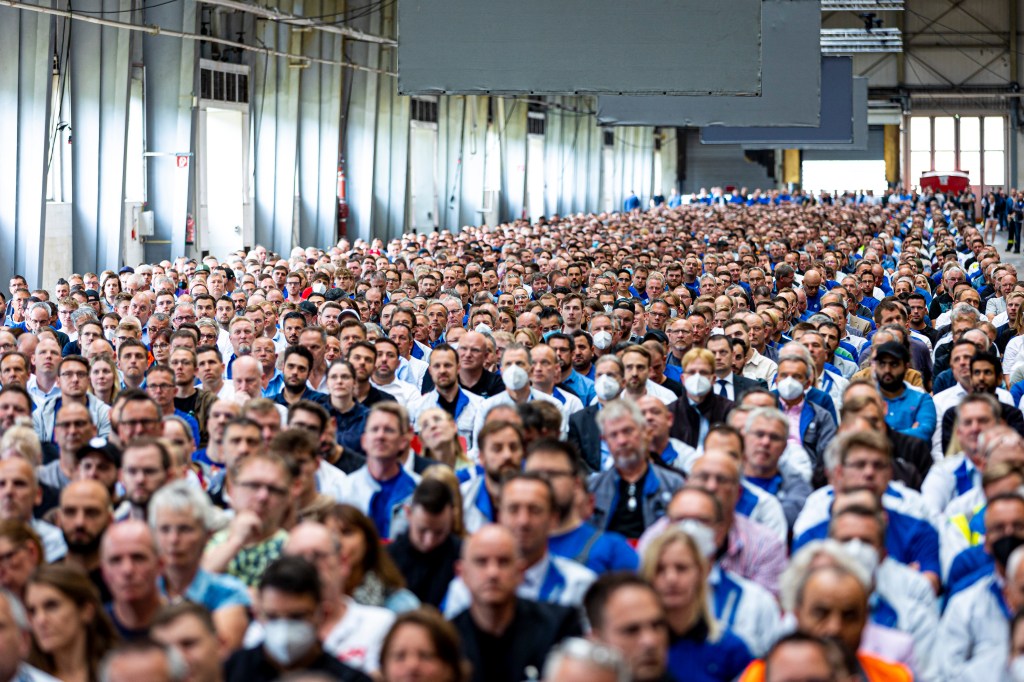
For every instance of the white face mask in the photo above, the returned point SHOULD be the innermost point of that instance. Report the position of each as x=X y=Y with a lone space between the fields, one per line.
x=515 y=378
x=863 y=553
x=703 y=536
x=697 y=385
x=286 y=640
x=602 y=340
x=790 y=389
x=482 y=328
x=607 y=387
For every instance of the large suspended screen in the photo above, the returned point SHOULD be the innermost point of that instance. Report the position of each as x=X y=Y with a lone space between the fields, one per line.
x=790 y=81
x=836 y=124
x=472 y=47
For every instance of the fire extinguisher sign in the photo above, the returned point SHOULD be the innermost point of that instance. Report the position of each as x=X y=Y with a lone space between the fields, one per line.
x=182 y=160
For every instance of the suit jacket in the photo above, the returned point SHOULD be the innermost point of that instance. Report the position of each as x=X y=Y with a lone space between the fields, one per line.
x=686 y=420
x=534 y=631
x=584 y=434
x=741 y=384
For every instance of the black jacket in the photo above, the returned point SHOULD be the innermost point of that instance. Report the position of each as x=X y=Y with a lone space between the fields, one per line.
x=912 y=457
x=584 y=434
x=252 y=665
x=1011 y=415
x=534 y=631
x=686 y=422
x=426 y=575
x=741 y=384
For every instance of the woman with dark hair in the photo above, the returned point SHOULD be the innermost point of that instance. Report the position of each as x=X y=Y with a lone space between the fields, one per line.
x=349 y=415
x=160 y=346
x=71 y=633
x=373 y=579
x=422 y=645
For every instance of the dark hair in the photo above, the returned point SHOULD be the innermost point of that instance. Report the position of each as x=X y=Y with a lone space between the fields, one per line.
x=530 y=477
x=376 y=560
x=493 y=426
x=312 y=408
x=992 y=359
x=131 y=343
x=563 y=448
x=602 y=590
x=433 y=495
x=20 y=390
x=443 y=636
x=294 y=315
x=100 y=635
x=366 y=345
x=210 y=349
x=293 y=441
x=439 y=347
x=301 y=351
x=292 y=575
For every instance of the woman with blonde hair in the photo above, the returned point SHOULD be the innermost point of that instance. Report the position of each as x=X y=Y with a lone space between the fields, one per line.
x=676 y=565
x=23 y=441
x=527 y=337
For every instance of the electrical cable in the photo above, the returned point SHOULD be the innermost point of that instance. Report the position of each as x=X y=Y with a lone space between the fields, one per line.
x=125 y=11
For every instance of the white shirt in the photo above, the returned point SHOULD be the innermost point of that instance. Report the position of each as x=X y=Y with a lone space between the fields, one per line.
x=917 y=610
x=404 y=393
x=949 y=398
x=356 y=639
x=760 y=367
x=973 y=625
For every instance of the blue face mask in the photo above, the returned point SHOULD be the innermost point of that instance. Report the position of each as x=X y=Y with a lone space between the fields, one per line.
x=548 y=335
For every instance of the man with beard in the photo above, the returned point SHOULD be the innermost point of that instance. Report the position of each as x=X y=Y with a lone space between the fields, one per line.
x=986 y=372
x=632 y=494
x=160 y=387
x=473 y=376
x=447 y=394
x=314 y=339
x=564 y=346
x=291 y=326
x=295 y=366
x=500 y=444
x=85 y=514
x=909 y=411
x=573 y=538
x=384 y=373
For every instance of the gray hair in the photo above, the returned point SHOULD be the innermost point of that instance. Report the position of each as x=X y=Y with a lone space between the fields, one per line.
x=794 y=578
x=597 y=655
x=770 y=413
x=795 y=352
x=964 y=311
x=181 y=495
x=617 y=409
x=80 y=315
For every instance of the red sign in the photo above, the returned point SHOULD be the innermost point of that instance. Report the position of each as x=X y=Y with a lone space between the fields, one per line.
x=182 y=161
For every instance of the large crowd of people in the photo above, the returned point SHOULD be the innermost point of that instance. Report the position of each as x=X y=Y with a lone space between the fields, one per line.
x=740 y=435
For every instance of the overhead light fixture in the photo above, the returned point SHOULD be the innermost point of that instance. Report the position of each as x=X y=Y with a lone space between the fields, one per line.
x=862 y=5
x=853 y=40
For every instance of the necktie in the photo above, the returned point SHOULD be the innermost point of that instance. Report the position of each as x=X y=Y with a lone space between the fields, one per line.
x=722 y=388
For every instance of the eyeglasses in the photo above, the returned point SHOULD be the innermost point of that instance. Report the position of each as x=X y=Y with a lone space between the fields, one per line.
x=74 y=375
x=160 y=387
x=133 y=423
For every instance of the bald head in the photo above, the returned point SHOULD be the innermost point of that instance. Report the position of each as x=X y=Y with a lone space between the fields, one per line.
x=246 y=375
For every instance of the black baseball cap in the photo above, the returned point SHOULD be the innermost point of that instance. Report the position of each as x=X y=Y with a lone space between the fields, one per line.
x=100 y=446
x=893 y=349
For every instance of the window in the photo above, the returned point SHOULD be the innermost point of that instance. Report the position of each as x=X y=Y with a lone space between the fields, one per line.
x=973 y=144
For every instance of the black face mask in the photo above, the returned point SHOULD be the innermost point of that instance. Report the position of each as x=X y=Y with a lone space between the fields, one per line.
x=1003 y=548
